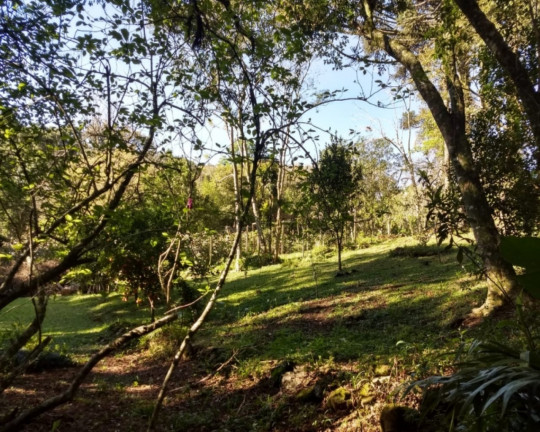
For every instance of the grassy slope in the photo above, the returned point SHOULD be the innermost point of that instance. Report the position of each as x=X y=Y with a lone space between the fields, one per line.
x=79 y=323
x=299 y=311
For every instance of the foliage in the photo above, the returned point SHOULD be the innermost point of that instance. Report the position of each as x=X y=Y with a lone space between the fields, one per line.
x=495 y=389
x=378 y=193
x=75 y=136
x=444 y=210
x=89 y=95
x=524 y=252
x=331 y=186
x=496 y=386
x=504 y=156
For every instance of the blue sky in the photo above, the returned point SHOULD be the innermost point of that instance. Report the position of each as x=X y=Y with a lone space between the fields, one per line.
x=361 y=116
x=366 y=119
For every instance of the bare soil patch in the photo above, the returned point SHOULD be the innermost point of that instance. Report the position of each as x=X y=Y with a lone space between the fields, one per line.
x=120 y=393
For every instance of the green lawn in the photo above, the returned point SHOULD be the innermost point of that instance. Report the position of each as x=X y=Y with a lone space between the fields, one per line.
x=396 y=309
x=298 y=308
x=79 y=323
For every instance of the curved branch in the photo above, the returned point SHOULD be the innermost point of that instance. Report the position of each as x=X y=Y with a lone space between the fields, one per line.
x=67 y=395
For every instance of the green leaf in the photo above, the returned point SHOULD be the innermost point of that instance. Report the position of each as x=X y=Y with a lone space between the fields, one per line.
x=531 y=283
x=6 y=256
x=459 y=256
x=522 y=251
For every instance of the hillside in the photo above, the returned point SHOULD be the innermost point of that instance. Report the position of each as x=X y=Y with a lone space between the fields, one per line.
x=289 y=346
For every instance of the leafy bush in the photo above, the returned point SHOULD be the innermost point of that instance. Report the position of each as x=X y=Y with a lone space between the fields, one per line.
x=495 y=389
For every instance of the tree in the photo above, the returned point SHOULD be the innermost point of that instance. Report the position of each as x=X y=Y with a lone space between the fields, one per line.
x=375 y=201
x=245 y=59
x=82 y=108
x=377 y=24
x=71 y=175
x=333 y=182
x=525 y=79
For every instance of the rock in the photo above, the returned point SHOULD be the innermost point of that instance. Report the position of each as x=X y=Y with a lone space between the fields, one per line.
x=306 y=394
x=339 y=399
x=295 y=380
x=365 y=390
x=367 y=400
x=382 y=370
x=313 y=393
x=395 y=418
x=276 y=375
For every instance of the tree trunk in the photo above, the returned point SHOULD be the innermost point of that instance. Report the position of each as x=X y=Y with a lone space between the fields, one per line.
x=501 y=278
x=339 y=247
x=260 y=234
x=510 y=62
x=280 y=186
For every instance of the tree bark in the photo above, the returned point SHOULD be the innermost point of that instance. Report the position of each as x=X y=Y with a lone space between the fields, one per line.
x=510 y=62
x=502 y=285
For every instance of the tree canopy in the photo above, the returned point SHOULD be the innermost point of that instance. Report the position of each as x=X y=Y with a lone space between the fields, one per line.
x=112 y=177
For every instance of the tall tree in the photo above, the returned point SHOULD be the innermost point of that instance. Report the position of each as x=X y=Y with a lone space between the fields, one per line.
x=399 y=29
x=74 y=175
x=244 y=58
x=518 y=68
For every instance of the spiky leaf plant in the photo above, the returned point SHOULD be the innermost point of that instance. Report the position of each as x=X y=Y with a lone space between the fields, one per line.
x=496 y=388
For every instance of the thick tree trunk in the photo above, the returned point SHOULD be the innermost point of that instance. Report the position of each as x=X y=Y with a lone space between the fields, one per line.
x=502 y=284
x=510 y=62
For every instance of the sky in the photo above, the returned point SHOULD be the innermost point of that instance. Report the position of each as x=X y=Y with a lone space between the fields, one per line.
x=361 y=116
x=364 y=118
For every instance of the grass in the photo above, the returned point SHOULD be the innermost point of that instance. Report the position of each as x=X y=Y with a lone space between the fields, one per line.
x=298 y=308
x=78 y=324
x=396 y=309
x=302 y=310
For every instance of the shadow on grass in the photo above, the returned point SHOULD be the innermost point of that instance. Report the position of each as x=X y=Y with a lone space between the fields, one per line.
x=125 y=400
x=305 y=312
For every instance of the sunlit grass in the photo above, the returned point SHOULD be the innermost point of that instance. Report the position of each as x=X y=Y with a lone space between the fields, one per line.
x=77 y=323
x=297 y=309
x=385 y=299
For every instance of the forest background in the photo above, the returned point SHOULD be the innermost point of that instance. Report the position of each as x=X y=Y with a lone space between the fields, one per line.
x=150 y=147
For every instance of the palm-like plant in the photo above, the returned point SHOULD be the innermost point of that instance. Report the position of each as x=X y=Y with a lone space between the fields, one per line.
x=496 y=388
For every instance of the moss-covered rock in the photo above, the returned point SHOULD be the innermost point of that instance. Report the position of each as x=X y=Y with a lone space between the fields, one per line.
x=338 y=399
x=396 y=418
x=382 y=370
